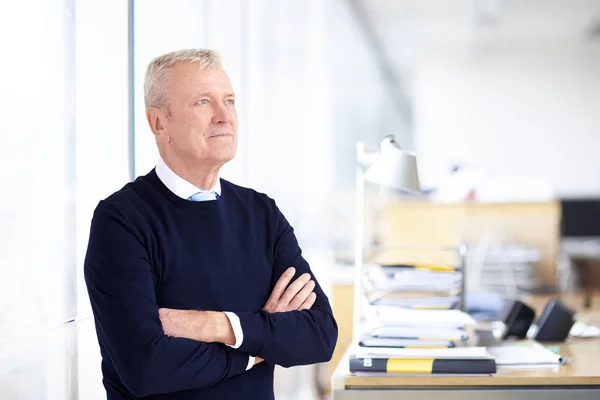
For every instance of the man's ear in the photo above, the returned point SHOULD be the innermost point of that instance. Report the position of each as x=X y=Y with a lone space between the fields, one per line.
x=155 y=117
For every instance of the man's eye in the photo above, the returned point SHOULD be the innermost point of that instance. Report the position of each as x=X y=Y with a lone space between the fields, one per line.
x=231 y=102
x=203 y=101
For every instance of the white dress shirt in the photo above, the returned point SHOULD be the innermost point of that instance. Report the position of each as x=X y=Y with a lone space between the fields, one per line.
x=185 y=190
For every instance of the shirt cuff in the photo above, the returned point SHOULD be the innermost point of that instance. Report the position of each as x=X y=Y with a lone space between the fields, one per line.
x=234 y=320
x=250 y=362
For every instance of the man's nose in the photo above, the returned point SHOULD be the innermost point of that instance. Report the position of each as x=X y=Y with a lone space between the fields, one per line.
x=221 y=114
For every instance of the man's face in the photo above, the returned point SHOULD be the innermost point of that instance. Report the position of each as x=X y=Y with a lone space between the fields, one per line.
x=203 y=123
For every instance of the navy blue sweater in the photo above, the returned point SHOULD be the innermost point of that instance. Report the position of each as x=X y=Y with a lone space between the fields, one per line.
x=149 y=248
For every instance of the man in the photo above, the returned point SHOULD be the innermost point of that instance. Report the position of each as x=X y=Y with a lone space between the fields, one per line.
x=187 y=273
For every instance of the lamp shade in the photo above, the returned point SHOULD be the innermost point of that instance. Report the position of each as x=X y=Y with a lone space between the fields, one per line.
x=394 y=167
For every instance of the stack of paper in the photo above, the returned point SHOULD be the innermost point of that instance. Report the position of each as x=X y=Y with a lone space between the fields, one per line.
x=436 y=302
x=413 y=310
x=397 y=327
x=373 y=341
x=405 y=317
x=414 y=278
x=419 y=333
x=415 y=286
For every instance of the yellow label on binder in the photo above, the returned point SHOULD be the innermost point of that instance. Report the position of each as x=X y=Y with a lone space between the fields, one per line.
x=410 y=365
x=440 y=268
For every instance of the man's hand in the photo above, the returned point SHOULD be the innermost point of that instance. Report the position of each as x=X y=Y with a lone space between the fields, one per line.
x=203 y=326
x=214 y=326
x=298 y=296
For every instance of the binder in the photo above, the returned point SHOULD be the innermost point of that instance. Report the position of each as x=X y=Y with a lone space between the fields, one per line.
x=423 y=365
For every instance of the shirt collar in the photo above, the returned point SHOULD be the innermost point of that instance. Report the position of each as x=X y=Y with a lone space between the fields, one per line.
x=177 y=184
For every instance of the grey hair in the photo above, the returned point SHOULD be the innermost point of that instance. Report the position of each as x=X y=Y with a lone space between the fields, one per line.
x=155 y=93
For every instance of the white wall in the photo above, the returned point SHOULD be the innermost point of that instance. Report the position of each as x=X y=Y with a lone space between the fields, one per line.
x=158 y=28
x=274 y=53
x=515 y=110
x=64 y=108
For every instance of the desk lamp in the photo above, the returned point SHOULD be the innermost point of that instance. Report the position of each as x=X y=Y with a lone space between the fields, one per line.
x=391 y=167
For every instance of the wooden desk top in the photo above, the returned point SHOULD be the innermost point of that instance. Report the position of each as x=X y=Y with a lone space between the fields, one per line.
x=584 y=369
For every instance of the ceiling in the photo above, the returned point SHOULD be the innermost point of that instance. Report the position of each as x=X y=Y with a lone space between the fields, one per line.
x=402 y=31
x=513 y=19
x=406 y=27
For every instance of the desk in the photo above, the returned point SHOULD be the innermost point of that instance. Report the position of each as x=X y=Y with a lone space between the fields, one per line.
x=578 y=380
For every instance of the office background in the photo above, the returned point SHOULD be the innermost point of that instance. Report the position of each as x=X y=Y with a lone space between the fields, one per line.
x=508 y=88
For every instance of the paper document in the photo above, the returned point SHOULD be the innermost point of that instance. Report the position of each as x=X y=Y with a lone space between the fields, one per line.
x=369 y=341
x=425 y=302
x=400 y=332
x=411 y=279
x=398 y=316
x=466 y=353
x=523 y=353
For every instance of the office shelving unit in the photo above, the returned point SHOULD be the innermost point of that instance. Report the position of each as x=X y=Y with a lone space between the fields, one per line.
x=379 y=283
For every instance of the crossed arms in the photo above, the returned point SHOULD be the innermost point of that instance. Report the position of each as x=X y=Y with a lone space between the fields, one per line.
x=119 y=278
x=215 y=326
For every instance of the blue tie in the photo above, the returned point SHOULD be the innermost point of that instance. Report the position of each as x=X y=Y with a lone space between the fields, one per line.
x=204 y=196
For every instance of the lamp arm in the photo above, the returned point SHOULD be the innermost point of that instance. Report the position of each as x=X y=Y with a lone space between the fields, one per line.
x=358 y=242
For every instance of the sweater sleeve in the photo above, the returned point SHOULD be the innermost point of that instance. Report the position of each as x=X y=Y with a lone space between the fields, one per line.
x=296 y=337
x=119 y=278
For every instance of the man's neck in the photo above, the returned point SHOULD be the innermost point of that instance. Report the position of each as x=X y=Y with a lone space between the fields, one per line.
x=204 y=177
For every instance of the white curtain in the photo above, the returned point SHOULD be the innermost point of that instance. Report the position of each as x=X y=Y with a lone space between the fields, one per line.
x=64 y=89
x=37 y=208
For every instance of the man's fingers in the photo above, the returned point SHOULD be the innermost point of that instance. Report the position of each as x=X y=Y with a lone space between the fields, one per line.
x=163 y=314
x=165 y=318
x=293 y=290
x=302 y=295
x=280 y=286
x=308 y=303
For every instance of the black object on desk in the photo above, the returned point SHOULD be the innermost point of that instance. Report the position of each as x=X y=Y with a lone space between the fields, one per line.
x=555 y=323
x=517 y=317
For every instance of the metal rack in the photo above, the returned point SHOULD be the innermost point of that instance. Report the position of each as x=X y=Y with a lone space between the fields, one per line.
x=370 y=286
